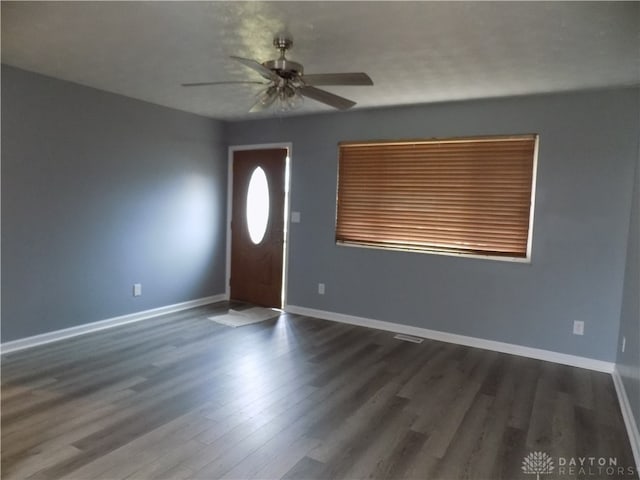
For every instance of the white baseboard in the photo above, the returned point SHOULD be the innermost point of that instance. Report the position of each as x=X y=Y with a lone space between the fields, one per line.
x=539 y=354
x=627 y=414
x=56 y=335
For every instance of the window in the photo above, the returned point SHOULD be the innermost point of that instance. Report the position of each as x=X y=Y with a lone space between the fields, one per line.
x=461 y=195
x=257 y=205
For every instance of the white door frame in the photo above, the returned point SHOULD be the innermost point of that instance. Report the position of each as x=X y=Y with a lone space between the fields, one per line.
x=287 y=209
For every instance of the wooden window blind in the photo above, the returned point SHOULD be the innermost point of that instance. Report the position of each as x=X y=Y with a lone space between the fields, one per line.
x=466 y=195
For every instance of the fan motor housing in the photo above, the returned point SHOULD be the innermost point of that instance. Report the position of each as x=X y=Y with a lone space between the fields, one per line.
x=284 y=68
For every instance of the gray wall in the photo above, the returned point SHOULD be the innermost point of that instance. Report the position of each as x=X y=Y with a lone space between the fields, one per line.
x=588 y=146
x=629 y=361
x=98 y=192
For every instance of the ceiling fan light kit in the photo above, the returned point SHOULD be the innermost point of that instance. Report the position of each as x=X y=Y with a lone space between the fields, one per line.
x=287 y=85
x=284 y=96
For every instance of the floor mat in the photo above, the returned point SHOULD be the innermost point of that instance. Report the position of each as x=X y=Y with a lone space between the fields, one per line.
x=240 y=318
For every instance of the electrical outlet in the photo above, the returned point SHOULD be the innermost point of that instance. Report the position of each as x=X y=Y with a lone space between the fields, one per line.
x=578 y=327
x=137 y=289
x=295 y=217
x=321 y=288
x=624 y=343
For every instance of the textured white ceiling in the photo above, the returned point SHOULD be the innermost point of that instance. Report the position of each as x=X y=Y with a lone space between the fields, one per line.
x=415 y=52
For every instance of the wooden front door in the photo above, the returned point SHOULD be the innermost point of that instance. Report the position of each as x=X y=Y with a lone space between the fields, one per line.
x=257 y=229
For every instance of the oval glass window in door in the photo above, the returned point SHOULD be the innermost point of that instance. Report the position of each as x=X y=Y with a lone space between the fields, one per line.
x=257 y=205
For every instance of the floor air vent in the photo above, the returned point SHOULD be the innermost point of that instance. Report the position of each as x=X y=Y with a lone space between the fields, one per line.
x=408 y=338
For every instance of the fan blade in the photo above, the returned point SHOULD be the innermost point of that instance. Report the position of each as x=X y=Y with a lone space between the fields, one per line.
x=264 y=101
x=258 y=67
x=230 y=82
x=323 y=96
x=356 y=78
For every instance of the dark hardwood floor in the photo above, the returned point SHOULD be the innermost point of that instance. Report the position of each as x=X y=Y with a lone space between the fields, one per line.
x=181 y=397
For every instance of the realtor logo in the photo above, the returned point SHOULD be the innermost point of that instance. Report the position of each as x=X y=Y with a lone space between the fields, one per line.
x=537 y=463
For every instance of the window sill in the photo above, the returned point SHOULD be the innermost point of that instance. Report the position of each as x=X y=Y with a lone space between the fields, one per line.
x=502 y=258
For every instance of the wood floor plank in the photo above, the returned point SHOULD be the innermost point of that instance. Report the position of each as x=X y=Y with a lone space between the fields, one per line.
x=342 y=431
x=71 y=410
x=373 y=463
x=467 y=443
x=508 y=459
x=483 y=459
x=306 y=467
x=582 y=388
x=147 y=448
x=56 y=434
x=343 y=460
x=37 y=461
x=442 y=430
x=322 y=401
x=539 y=435
x=268 y=451
x=167 y=465
x=396 y=463
x=284 y=460
x=563 y=426
x=526 y=384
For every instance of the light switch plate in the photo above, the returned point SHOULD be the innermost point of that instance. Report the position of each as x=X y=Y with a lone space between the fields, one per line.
x=295 y=217
x=578 y=327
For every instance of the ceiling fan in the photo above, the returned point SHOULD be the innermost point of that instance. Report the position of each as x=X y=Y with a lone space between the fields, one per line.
x=286 y=82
